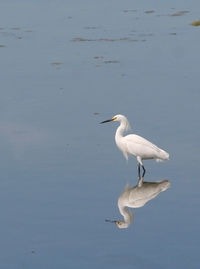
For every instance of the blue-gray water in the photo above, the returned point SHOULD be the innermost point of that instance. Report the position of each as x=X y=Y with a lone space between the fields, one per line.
x=65 y=66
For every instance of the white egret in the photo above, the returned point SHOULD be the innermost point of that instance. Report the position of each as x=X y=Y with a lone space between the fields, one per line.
x=136 y=145
x=137 y=197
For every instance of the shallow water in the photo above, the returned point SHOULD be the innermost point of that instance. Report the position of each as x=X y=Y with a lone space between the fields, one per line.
x=66 y=66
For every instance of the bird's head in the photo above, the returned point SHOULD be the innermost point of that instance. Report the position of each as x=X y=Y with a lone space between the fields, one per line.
x=115 y=118
x=120 y=224
x=121 y=118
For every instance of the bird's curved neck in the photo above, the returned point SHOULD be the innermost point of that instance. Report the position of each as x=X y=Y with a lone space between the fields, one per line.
x=128 y=216
x=120 y=130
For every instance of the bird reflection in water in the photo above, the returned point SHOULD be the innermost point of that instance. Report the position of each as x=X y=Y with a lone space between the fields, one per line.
x=135 y=197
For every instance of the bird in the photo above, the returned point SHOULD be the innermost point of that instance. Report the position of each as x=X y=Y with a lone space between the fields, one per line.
x=135 y=197
x=136 y=145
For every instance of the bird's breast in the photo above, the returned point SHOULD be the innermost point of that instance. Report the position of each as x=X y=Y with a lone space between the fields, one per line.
x=121 y=144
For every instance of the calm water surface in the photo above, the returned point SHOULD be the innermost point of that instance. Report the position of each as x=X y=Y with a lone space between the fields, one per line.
x=66 y=66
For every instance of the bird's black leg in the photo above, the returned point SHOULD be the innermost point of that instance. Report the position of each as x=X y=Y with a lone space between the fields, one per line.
x=140 y=179
x=144 y=171
x=139 y=170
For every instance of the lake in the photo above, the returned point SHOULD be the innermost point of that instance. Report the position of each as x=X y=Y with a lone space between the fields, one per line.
x=65 y=67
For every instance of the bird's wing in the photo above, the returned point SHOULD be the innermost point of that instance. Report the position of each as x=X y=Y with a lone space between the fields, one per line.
x=139 y=196
x=139 y=146
x=133 y=138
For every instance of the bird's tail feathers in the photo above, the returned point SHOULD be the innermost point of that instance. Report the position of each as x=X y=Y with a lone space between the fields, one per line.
x=164 y=156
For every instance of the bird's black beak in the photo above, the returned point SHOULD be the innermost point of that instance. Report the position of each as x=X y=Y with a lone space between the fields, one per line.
x=106 y=121
x=111 y=221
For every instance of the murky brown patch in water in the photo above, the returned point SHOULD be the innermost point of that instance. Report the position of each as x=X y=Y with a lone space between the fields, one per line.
x=98 y=57
x=129 y=10
x=179 y=13
x=91 y=27
x=16 y=32
x=111 y=62
x=195 y=23
x=56 y=64
x=149 y=11
x=16 y=28
x=82 y=39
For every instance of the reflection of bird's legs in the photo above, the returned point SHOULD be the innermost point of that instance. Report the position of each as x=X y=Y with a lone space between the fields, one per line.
x=140 y=182
x=139 y=170
x=139 y=159
x=144 y=171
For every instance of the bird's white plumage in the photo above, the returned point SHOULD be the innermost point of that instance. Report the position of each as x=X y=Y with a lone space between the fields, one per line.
x=139 y=146
x=135 y=197
x=136 y=145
